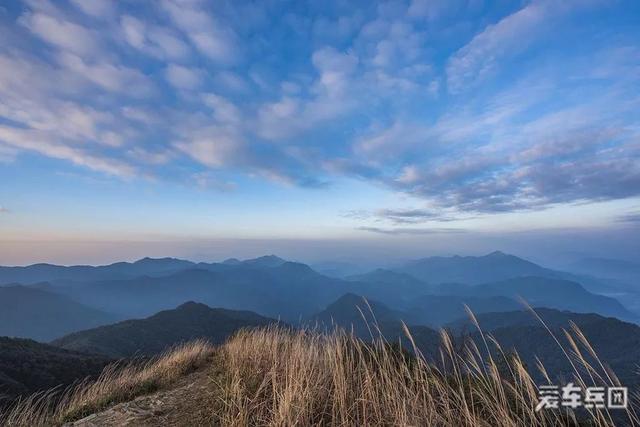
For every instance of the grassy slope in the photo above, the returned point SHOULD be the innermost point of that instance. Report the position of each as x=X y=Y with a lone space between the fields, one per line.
x=274 y=376
x=27 y=366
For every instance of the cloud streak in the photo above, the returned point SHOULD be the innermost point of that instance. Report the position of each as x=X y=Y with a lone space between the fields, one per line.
x=411 y=231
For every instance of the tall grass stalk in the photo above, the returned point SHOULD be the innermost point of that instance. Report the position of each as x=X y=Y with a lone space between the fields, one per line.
x=279 y=377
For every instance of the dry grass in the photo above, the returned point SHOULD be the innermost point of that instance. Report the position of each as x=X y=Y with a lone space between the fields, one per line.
x=277 y=377
x=280 y=377
x=117 y=383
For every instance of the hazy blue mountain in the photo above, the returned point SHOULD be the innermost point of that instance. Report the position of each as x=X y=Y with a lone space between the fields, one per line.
x=157 y=333
x=353 y=312
x=551 y=293
x=30 y=312
x=436 y=310
x=84 y=273
x=27 y=366
x=610 y=268
x=265 y=261
x=498 y=266
x=290 y=291
x=391 y=278
x=395 y=288
x=474 y=270
x=369 y=319
x=616 y=343
x=520 y=318
x=337 y=269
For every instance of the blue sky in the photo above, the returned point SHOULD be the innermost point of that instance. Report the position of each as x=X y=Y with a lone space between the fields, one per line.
x=423 y=123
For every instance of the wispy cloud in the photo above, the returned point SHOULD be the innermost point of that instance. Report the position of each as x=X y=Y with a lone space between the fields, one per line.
x=412 y=216
x=630 y=218
x=411 y=231
x=304 y=97
x=402 y=216
x=183 y=77
x=209 y=35
x=510 y=35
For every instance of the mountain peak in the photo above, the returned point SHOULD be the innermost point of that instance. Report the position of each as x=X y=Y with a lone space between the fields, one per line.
x=266 y=261
x=496 y=254
x=191 y=305
x=149 y=260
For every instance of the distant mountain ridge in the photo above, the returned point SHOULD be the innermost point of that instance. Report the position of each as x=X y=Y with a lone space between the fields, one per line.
x=368 y=320
x=474 y=270
x=498 y=266
x=157 y=333
x=550 y=293
x=287 y=291
x=520 y=318
x=352 y=312
x=37 y=313
x=437 y=310
x=616 y=343
x=119 y=270
x=605 y=267
x=274 y=287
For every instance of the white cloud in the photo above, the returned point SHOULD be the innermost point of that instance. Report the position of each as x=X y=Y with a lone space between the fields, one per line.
x=280 y=119
x=63 y=34
x=62 y=119
x=154 y=40
x=230 y=81
x=111 y=139
x=183 y=77
x=171 y=45
x=134 y=31
x=97 y=8
x=118 y=78
x=224 y=110
x=151 y=157
x=335 y=69
x=514 y=33
x=213 y=146
x=210 y=37
x=46 y=143
x=23 y=77
x=394 y=141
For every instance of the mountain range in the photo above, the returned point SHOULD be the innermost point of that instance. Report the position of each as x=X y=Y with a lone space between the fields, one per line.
x=369 y=320
x=616 y=343
x=429 y=292
x=27 y=366
x=545 y=292
x=85 y=273
x=532 y=336
x=146 y=337
x=39 y=314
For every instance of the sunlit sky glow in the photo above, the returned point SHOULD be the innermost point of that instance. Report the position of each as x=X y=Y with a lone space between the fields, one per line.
x=422 y=124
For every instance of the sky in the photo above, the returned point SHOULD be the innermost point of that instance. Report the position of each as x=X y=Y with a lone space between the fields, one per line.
x=318 y=130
